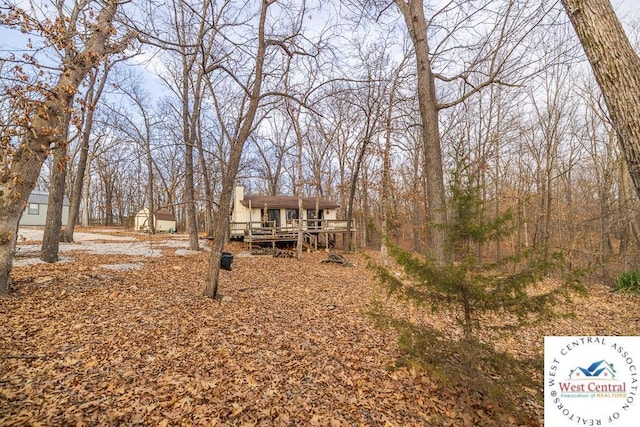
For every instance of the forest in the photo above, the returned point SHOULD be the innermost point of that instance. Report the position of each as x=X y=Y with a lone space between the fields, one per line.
x=188 y=99
x=458 y=136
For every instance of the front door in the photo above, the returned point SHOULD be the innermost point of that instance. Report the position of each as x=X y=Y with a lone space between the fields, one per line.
x=274 y=217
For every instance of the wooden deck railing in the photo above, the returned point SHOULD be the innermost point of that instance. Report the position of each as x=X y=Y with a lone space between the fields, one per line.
x=255 y=231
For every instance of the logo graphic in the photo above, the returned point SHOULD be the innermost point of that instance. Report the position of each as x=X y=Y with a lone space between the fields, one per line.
x=591 y=381
x=596 y=369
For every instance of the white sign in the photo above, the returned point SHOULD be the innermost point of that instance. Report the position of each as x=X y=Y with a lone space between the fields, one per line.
x=592 y=381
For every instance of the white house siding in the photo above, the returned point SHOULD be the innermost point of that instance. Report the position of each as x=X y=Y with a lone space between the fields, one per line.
x=162 y=225
x=330 y=214
x=141 y=222
x=35 y=214
x=242 y=213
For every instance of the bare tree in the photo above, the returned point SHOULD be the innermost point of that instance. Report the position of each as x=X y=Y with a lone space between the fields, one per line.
x=294 y=111
x=616 y=66
x=272 y=151
x=387 y=181
x=492 y=57
x=338 y=127
x=41 y=122
x=414 y=17
x=192 y=28
x=368 y=100
x=96 y=85
x=138 y=126
x=52 y=230
x=243 y=131
x=285 y=37
x=294 y=114
x=553 y=111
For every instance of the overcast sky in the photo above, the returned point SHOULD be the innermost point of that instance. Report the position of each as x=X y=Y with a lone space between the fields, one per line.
x=628 y=12
x=624 y=7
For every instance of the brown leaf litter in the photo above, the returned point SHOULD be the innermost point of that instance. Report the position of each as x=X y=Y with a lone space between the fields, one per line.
x=289 y=344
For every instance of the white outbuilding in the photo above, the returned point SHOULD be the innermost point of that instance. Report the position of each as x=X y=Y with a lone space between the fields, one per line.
x=36 y=211
x=163 y=220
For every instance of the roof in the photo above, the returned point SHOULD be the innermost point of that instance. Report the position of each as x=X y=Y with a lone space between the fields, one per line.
x=42 y=198
x=287 y=202
x=164 y=215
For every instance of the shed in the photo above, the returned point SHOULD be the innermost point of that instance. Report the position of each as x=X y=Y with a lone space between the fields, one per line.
x=35 y=213
x=164 y=220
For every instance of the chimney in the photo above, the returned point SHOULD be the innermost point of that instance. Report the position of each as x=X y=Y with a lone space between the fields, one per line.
x=239 y=194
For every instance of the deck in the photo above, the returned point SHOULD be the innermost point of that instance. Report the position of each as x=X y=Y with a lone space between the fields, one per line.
x=313 y=229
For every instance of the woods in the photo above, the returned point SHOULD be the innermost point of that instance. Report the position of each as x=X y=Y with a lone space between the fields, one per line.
x=489 y=145
x=379 y=122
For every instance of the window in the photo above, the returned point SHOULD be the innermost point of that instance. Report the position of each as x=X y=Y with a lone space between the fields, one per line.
x=34 y=209
x=292 y=214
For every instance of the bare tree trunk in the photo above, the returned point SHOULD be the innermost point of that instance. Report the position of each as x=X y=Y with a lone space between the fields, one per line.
x=109 y=188
x=348 y=244
x=189 y=133
x=616 y=66
x=372 y=108
x=91 y=100
x=497 y=171
x=150 y=188
x=8 y=237
x=417 y=198
x=45 y=128
x=85 y=196
x=191 y=107
x=52 y=230
x=630 y=214
x=237 y=146
x=294 y=116
x=300 y=241
x=364 y=200
x=548 y=198
x=78 y=184
x=207 y=189
x=413 y=13
x=192 y=223
x=386 y=181
x=299 y=187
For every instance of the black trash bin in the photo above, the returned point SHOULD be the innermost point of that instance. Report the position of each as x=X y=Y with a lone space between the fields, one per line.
x=225 y=260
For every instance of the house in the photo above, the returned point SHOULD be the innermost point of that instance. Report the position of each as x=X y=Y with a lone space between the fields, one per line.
x=279 y=211
x=35 y=212
x=163 y=220
x=277 y=218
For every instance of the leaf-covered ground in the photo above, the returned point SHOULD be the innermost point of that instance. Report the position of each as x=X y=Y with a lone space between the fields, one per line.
x=117 y=339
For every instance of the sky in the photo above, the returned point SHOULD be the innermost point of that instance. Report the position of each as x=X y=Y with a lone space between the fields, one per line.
x=627 y=10
x=626 y=6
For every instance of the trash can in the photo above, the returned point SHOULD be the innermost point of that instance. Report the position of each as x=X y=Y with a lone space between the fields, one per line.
x=225 y=260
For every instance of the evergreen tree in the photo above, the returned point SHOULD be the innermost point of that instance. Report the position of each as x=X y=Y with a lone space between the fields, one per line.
x=465 y=284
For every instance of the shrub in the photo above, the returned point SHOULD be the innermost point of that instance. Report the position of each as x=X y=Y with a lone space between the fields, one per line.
x=628 y=282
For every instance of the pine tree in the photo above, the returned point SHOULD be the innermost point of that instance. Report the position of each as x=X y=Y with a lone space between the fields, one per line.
x=465 y=284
